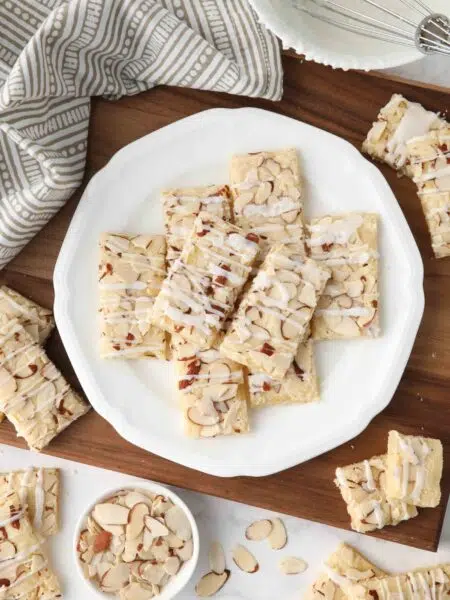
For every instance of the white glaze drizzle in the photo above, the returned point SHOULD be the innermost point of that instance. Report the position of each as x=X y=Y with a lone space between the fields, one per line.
x=282 y=206
x=336 y=232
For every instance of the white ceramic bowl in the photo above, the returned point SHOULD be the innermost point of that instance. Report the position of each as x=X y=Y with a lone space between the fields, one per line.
x=327 y=44
x=178 y=582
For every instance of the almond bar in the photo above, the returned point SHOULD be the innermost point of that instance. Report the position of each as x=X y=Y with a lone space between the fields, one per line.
x=429 y=163
x=274 y=315
x=344 y=568
x=202 y=286
x=414 y=469
x=299 y=386
x=212 y=391
x=267 y=196
x=131 y=270
x=363 y=488
x=34 y=395
x=182 y=205
x=38 y=490
x=347 y=244
x=397 y=123
x=24 y=571
x=35 y=319
x=422 y=584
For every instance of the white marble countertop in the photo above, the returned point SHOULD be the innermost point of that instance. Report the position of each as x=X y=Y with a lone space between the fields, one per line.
x=430 y=69
x=218 y=520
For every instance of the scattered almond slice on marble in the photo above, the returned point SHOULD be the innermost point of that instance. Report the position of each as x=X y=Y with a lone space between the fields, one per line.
x=291 y=565
x=216 y=558
x=245 y=560
x=259 y=530
x=211 y=583
x=278 y=535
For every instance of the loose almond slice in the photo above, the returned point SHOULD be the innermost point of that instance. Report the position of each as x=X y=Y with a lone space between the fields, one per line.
x=156 y=528
x=216 y=557
x=211 y=583
x=185 y=553
x=133 y=498
x=115 y=578
x=135 y=526
x=172 y=565
x=111 y=514
x=245 y=559
x=291 y=565
x=258 y=530
x=278 y=535
x=177 y=521
x=136 y=591
x=102 y=541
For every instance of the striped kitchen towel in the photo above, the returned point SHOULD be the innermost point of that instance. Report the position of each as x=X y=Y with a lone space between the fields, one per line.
x=55 y=54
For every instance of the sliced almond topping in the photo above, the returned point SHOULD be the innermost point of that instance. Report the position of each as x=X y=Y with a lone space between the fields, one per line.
x=278 y=535
x=258 y=530
x=198 y=418
x=8 y=384
x=291 y=565
x=111 y=514
x=245 y=559
x=7 y=550
x=115 y=578
x=216 y=558
x=356 y=575
x=211 y=583
x=178 y=523
x=156 y=528
x=135 y=526
x=172 y=565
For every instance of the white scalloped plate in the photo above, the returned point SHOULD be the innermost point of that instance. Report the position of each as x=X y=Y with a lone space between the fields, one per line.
x=138 y=398
x=339 y=48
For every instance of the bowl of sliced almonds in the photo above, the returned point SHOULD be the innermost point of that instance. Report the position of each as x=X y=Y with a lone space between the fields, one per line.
x=136 y=543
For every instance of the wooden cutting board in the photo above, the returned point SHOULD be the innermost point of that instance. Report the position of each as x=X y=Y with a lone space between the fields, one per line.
x=343 y=103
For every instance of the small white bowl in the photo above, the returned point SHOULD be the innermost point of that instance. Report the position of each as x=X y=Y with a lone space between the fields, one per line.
x=178 y=582
x=330 y=45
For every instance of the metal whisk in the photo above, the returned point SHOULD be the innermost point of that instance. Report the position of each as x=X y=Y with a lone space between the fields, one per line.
x=430 y=32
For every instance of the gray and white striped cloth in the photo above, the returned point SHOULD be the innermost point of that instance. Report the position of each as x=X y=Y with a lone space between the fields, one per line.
x=55 y=54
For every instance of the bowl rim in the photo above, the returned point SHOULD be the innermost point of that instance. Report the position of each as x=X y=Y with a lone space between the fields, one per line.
x=186 y=573
x=271 y=20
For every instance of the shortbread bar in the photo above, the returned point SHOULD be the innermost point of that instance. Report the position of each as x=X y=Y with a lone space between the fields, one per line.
x=35 y=319
x=422 y=584
x=212 y=391
x=344 y=568
x=398 y=122
x=274 y=315
x=202 y=286
x=414 y=469
x=38 y=490
x=363 y=488
x=24 y=571
x=429 y=163
x=182 y=205
x=347 y=244
x=33 y=394
x=266 y=189
x=131 y=270
x=299 y=386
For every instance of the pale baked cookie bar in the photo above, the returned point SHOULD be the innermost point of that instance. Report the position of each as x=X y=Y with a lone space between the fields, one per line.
x=363 y=488
x=398 y=122
x=274 y=315
x=33 y=394
x=38 y=490
x=182 y=205
x=422 y=584
x=267 y=190
x=212 y=391
x=131 y=270
x=202 y=286
x=344 y=568
x=299 y=386
x=347 y=244
x=35 y=319
x=414 y=469
x=429 y=163
x=24 y=571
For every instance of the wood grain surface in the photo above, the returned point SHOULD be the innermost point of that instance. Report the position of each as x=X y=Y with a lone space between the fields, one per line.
x=344 y=104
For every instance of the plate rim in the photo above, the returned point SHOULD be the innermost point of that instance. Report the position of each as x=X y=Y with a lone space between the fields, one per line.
x=115 y=417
